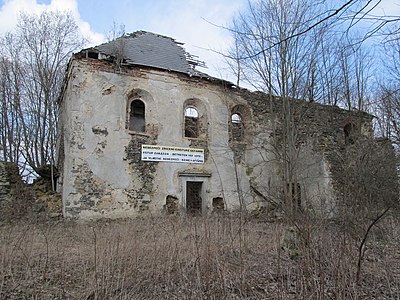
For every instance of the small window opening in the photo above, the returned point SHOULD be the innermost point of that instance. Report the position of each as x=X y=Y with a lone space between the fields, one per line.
x=349 y=131
x=236 y=119
x=94 y=55
x=295 y=193
x=191 y=122
x=137 y=116
x=218 y=204
x=237 y=127
x=171 y=205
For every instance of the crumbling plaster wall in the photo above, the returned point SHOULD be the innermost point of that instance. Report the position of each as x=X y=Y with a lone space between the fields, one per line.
x=319 y=132
x=102 y=171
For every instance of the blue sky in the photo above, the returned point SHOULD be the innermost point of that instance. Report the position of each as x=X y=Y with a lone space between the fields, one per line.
x=184 y=20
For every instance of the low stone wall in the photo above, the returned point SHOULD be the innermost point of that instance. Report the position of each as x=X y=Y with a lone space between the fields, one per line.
x=20 y=200
x=5 y=182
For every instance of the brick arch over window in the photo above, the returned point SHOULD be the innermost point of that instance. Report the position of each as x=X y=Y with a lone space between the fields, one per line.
x=139 y=104
x=195 y=124
x=239 y=122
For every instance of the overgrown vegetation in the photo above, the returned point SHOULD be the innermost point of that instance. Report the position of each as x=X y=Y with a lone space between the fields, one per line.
x=219 y=257
x=224 y=256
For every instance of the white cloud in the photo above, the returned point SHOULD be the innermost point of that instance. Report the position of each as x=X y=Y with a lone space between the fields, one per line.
x=186 y=21
x=11 y=9
x=190 y=23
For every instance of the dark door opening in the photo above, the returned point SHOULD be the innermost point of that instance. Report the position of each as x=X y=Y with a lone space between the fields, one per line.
x=193 y=197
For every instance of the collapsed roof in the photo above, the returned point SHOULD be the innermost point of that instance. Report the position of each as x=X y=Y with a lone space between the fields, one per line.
x=148 y=49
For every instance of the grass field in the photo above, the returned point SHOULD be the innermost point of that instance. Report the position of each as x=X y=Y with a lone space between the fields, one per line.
x=218 y=257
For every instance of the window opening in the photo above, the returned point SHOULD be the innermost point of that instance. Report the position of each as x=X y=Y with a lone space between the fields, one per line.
x=236 y=119
x=191 y=122
x=295 y=190
x=349 y=133
x=137 y=116
x=171 y=205
x=94 y=55
x=218 y=204
x=193 y=197
x=237 y=127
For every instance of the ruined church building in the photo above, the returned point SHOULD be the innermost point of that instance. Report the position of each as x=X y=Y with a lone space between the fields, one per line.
x=141 y=130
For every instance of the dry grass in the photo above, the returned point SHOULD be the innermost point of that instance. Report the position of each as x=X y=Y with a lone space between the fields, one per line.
x=221 y=257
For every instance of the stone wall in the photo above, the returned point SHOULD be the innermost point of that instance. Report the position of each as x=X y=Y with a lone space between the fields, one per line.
x=318 y=133
x=21 y=200
x=102 y=172
x=4 y=184
x=9 y=178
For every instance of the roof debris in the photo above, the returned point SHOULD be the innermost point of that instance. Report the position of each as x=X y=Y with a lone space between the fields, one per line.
x=149 y=49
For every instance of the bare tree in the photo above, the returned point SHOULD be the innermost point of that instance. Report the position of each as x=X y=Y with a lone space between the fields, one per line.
x=9 y=122
x=116 y=38
x=38 y=50
x=355 y=73
x=270 y=60
x=272 y=56
x=387 y=111
x=387 y=95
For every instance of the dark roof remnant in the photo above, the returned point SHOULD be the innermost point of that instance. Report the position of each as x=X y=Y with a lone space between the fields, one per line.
x=152 y=50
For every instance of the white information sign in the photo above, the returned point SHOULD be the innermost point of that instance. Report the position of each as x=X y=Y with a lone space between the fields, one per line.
x=172 y=154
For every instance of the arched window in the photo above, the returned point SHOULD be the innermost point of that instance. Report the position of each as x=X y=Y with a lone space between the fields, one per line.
x=349 y=133
x=237 y=127
x=236 y=119
x=191 y=122
x=137 y=116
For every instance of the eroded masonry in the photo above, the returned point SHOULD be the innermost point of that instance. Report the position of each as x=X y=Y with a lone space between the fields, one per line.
x=141 y=130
